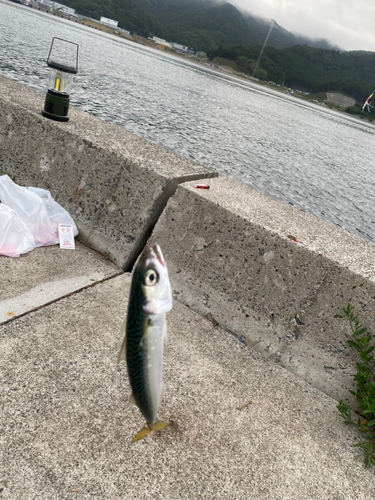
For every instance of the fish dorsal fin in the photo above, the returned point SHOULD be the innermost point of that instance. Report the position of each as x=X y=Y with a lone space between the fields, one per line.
x=132 y=400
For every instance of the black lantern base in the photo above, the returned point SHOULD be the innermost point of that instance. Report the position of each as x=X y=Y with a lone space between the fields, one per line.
x=56 y=106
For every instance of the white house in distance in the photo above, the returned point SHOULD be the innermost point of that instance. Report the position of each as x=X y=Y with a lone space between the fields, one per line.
x=180 y=48
x=109 y=22
x=67 y=10
x=58 y=6
x=175 y=46
x=183 y=49
x=160 y=41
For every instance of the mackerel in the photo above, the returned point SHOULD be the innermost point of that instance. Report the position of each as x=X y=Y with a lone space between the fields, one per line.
x=146 y=329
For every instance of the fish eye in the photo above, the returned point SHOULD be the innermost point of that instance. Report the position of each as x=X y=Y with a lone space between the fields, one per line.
x=150 y=278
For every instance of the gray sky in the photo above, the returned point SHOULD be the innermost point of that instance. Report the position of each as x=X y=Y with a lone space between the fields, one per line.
x=346 y=23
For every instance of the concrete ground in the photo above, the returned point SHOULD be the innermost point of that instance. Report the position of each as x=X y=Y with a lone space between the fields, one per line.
x=42 y=276
x=241 y=427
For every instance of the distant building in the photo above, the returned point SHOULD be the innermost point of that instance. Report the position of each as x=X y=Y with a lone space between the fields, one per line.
x=183 y=49
x=109 y=22
x=180 y=48
x=39 y=5
x=160 y=41
x=67 y=10
x=58 y=6
x=50 y=4
x=46 y=5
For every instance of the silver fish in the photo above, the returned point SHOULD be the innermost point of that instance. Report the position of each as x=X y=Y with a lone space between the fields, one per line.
x=146 y=329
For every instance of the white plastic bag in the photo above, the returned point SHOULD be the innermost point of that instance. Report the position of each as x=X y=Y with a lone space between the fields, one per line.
x=37 y=209
x=56 y=213
x=15 y=236
x=30 y=208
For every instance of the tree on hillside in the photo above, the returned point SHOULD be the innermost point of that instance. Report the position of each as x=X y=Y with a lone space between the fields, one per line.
x=129 y=15
x=309 y=69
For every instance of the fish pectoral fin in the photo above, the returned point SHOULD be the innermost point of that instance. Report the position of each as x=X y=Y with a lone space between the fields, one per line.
x=157 y=426
x=132 y=400
x=122 y=353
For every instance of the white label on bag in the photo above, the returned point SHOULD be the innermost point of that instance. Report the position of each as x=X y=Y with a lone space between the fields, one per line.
x=66 y=236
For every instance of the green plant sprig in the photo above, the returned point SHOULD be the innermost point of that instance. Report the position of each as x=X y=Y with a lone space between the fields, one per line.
x=365 y=393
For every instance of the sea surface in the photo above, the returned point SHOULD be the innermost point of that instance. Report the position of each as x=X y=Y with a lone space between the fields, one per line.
x=318 y=160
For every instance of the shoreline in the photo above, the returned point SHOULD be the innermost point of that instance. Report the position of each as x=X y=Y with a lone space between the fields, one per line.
x=206 y=64
x=229 y=71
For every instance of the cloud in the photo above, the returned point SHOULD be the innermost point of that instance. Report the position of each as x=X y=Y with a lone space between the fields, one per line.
x=345 y=23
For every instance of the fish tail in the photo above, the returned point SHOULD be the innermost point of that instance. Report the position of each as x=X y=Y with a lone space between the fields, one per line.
x=159 y=425
x=156 y=426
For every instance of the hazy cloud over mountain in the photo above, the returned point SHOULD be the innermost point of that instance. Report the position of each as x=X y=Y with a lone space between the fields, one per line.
x=346 y=23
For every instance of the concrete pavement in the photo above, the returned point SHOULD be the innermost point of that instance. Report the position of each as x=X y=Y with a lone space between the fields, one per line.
x=66 y=424
x=40 y=277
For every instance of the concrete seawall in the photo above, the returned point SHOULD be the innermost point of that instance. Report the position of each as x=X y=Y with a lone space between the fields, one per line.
x=231 y=251
x=113 y=183
x=232 y=259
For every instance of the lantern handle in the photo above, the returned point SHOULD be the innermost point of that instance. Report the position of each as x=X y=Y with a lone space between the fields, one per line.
x=62 y=67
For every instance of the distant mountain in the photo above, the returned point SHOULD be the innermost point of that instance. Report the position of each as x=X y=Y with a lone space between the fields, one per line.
x=207 y=24
x=128 y=13
x=306 y=68
x=200 y=24
x=220 y=29
x=280 y=38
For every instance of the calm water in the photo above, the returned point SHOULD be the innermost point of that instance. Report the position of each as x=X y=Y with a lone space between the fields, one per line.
x=318 y=160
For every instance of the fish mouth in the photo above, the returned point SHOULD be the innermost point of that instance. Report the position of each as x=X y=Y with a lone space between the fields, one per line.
x=158 y=254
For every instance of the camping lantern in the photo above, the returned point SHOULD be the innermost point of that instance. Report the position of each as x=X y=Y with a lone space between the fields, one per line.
x=63 y=64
